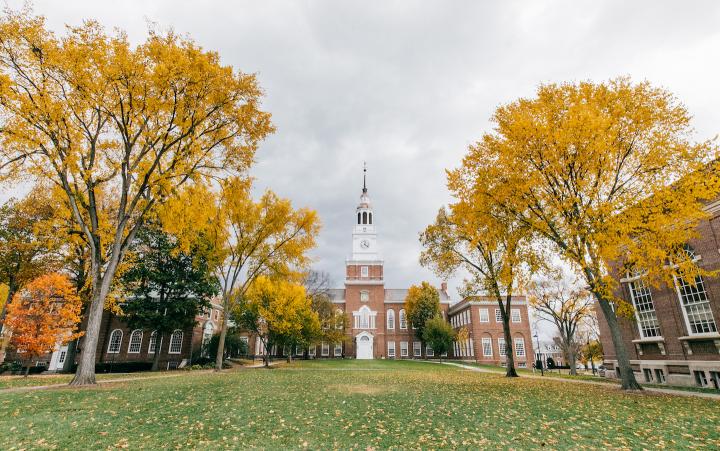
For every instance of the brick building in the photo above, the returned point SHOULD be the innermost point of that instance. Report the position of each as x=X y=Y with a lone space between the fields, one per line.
x=377 y=323
x=118 y=344
x=674 y=336
x=486 y=340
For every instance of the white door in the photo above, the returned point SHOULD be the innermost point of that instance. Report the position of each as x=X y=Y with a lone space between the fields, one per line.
x=364 y=347
x=57 y=360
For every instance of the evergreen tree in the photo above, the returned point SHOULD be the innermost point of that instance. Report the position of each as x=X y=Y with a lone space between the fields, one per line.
x=166 y=288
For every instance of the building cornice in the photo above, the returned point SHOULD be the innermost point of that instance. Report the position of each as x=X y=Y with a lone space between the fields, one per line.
x=364 y=282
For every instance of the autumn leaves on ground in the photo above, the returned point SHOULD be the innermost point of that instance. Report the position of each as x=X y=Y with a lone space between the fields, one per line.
x=352 y=404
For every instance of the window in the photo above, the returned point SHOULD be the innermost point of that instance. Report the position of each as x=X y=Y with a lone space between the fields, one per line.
x=311 y=351
x=467 y=316
x=522 y=365
x=135 y=342
x=391 y=319
x=647 y=372
x=391 y=349
x=359 y=216
x=176 y=342
x=487 y=347
x=153 y=342
x=364 y=295
x=364 y=318
x=484 y=315
x=364 y=272
x=325 y=349
x=417 y=349
x=520 y=347
x=61 y=357
x=403 y=319
x=696 y=306
x=403 y=349
x=660 y=375
x=501 y=347
x=338 y=350
x=715 y=378
x=429 y=351
x=644 y=309
x=515 y=315
x=370 y=218
x=498 y=316
x=700 y=378
x=115 y=341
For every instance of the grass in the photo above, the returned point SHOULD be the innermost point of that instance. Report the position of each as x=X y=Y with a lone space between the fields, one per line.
x=52 y=379
x=353 y=404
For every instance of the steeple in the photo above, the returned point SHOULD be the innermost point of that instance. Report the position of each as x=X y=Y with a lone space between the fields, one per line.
x=364 y=173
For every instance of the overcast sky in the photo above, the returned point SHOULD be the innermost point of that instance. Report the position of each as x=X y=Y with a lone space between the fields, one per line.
x=406 y=86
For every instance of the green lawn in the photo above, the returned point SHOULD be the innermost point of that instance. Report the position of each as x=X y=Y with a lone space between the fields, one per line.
x=51 y=379
x=353 y=404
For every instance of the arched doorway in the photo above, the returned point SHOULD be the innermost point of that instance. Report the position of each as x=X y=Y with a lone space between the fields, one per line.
x=364 y=346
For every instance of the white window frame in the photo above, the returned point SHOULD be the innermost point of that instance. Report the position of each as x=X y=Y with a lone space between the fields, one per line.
x=487 y=347
x=135 y=346
x=417 y=349
x=174 y=347
x=337 y=352
x=429 y=351
x=114 y=345
x=519 y=347
x=403 y=349
x=324 y=349
x=645 y=317
x=515 y=315
x=153 y=342
x=312 y=350
x=391 y=349
x=364 y=272
x=484 y=315
x=364 y=296
x=679 y=282
x=390 y=319
x=403 y=320
x=498 y=315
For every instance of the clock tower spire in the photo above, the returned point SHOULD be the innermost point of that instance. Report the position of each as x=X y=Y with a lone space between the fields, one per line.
x=364 y=246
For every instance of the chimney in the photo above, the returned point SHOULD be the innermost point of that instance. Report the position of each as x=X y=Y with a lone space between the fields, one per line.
x=443 y=287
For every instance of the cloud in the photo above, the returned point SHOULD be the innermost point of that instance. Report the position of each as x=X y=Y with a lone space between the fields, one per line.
x=406 y=86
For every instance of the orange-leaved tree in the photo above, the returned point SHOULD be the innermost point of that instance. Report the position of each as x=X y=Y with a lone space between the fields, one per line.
x=118 y=128
x=43 y=315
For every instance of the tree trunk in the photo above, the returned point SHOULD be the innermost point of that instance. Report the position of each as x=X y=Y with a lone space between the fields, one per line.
x=592 y=364
x=27 y=369
x=571 y=358
x=4 y=340
x=85 y=374
x=156 y=355
x=220 y=357
x=627 y=377
x=509 y=357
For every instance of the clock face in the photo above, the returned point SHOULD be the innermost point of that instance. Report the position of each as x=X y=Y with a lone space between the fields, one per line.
x=365 y=244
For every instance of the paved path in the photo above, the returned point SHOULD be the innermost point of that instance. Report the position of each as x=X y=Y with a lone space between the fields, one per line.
x=665 y=391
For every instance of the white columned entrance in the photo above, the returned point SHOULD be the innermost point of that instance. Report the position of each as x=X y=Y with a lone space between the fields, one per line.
x=364 y=346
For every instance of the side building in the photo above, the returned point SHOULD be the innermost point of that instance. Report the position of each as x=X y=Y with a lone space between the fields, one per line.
x=486 y=340
x=119 y=346
x=673 y=337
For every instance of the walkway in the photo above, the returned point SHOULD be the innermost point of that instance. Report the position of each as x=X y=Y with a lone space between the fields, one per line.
x=665 y=391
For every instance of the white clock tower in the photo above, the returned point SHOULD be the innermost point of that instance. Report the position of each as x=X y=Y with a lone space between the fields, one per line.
x=364 y=246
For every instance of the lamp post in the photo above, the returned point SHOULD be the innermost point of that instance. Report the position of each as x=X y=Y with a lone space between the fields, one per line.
x=539 y=359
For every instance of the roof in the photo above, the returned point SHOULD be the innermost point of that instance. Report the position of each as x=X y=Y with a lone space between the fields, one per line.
x=484 y=300
x=392 y=295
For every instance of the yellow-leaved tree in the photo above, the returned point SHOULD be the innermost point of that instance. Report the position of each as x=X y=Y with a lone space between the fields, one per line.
x=495 y=251
x=604 y=172
x=279 y=312
x=118 y=128
x=252 y=238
